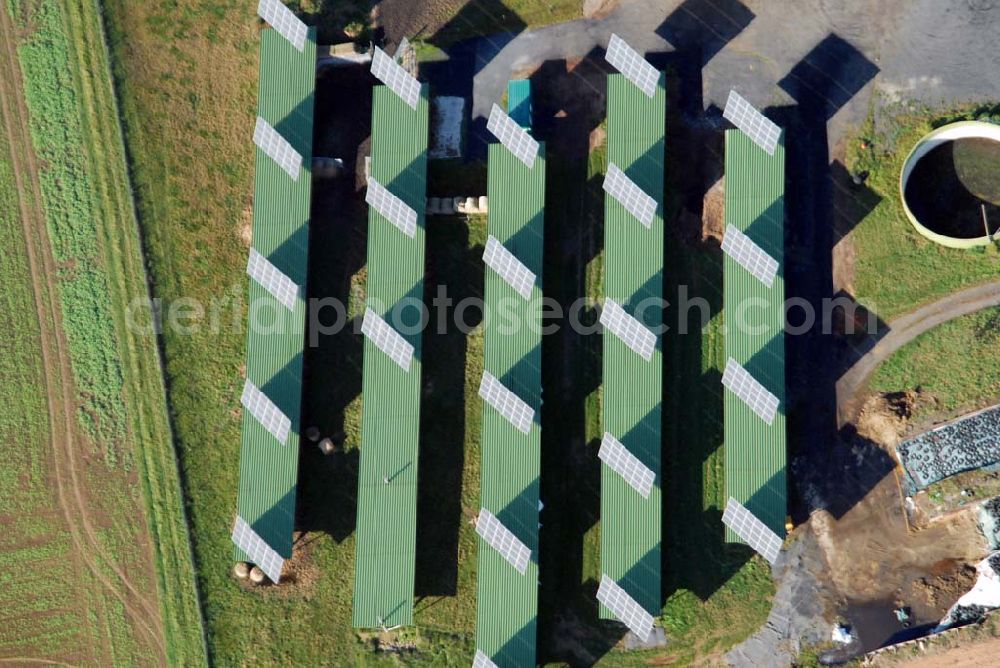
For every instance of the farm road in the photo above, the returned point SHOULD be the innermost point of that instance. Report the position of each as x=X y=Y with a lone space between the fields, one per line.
x=904 y=329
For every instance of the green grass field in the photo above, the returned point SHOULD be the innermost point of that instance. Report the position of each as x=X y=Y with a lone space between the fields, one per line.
x=955 y=364
x=886 y=244
x=132 y=490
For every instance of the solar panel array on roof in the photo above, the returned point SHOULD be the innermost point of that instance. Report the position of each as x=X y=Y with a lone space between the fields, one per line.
x=625 y=608
x=509 y=453
x=751 y=257
x=386 y=535
x=629 y=195
x=636 y=69
x=482 y=661
x=739 y=381
x=392 y=208
x=754 y=533
x=508 y=267
x=277 y=148
x=257 y=550
x=756 y=125
x=516 y=139
x=500 y=538
x=632 y=332
x=387 y=339
x=399 y=81
x=755 y=438
x=632 y=361
x=282 y=19
x=268 y=473
x=628 y=466
x=266 y=412
x=272 y=279
x=508 y=404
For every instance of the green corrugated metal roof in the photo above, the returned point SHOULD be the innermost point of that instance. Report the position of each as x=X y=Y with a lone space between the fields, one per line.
x=268 y=469
x=507 y=602
x=390 y=428
x=631 y=526
x=519 y=102
x=756 y=452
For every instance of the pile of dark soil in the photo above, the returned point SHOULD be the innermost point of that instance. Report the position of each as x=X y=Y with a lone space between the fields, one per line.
x=947 y=583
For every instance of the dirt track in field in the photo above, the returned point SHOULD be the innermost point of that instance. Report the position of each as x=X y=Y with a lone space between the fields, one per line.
x=967 y=656
x=141 y=608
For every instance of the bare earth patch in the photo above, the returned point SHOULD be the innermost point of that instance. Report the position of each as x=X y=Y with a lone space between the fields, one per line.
x=245 y=226
x=884 y=417
x=874 y=554
x=299 y=576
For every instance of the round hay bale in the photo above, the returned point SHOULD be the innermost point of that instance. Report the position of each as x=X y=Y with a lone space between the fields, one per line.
x=241 y=570
x=312 y=433
x=327 y=447
x=484 y=204
x=447 y=206
x=471 y=205
x=256 y=575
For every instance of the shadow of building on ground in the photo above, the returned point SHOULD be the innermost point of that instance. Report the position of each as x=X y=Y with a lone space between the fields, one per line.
x=704 y=27
x=822 y=204
x=453 y=263
x=481 y=18
x=332 y=367
x=569 y=104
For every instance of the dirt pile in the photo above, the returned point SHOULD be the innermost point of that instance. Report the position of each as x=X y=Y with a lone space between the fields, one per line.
x=884 y=417
x=947 y=582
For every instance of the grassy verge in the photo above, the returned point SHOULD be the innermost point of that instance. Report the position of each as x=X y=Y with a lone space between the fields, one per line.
x=954 y=365
x=88 y=209
x=886 y=244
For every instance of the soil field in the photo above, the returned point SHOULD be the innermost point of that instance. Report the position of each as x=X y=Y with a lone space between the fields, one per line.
x=96 y=560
